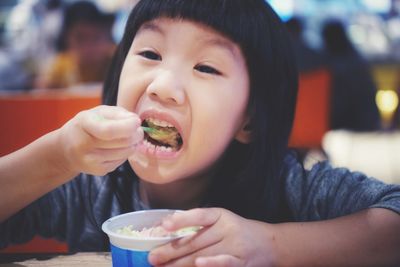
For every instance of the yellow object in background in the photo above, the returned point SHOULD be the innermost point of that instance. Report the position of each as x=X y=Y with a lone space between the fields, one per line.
x=387 y=79
x=386 y=76
x=387 y=102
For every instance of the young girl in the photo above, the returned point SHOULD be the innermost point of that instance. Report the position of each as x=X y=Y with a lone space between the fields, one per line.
x=218 y=77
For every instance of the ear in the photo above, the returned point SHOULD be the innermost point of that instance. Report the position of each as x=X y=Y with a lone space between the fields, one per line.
x=244 y=134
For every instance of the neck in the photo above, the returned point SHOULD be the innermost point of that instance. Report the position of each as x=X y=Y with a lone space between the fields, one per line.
x=184 y=194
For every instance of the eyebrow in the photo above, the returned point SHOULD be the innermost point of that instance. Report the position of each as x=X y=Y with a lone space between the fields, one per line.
x=150 y=26
x=221 y=43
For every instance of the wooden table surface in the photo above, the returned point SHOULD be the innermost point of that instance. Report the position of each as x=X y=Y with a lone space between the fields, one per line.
x=89 y=259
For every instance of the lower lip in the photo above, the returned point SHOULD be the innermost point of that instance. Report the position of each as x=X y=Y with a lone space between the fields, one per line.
x=142 y=148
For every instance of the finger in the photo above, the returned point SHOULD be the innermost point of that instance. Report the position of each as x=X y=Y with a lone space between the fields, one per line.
x=195 y=217
x=105 y=112
x=207 y=255
x=110 y=129
x=115 y=154
x=100 y=162
x=218 y=261
x=106 y=167
x=184 y=246
x=119 y=143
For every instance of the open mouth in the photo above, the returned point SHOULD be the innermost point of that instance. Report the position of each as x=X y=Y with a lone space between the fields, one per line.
x=162 y=134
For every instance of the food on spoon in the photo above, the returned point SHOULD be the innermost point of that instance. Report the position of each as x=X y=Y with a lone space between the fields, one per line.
x=161 y=135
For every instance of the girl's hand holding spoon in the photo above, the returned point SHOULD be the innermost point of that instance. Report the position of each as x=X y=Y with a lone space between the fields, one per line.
x=98 y=140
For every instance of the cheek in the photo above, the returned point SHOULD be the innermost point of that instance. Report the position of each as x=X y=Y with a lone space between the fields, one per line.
x=217 y=122
x=129 y=92
x=126 y=99
x=224 y=114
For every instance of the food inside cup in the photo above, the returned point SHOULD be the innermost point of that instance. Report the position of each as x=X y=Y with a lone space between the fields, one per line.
x=156 y=231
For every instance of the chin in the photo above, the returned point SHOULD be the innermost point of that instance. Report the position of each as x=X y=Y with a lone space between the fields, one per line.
x=153 y=174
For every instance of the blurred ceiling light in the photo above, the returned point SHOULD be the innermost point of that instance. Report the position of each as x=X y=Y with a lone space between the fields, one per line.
x=115 y=5
x=394 y=28
x=19 y=16
x=378 y=41
x=387 y=102
x=369 y=39
x=379 y=6
x=283 y=8
x=358 y=34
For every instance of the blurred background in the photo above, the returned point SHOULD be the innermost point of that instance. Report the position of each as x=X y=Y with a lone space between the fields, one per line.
x=54 y=55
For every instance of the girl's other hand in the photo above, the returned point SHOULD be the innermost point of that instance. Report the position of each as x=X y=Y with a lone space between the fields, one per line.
x=98 y=140
x=225 y=240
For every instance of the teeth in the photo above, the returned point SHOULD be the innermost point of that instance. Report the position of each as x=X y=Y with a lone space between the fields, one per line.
x=152 y=147
x=159 y=122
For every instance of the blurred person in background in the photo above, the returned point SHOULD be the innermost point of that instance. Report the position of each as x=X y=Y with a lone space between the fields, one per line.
x=353 y=104
x=308 y=58
x=85 y=48
x=28 y=41
x=14 y=73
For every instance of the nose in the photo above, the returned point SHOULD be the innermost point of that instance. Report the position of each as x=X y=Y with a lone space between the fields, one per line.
x=167 y=87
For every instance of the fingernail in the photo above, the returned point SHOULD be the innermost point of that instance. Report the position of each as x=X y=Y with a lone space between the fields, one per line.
x=138 y=136
x=97 y=117
x=201 y=262
x=152 y=258
x=167 y=223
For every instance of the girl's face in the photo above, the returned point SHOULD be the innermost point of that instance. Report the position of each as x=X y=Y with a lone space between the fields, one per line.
x=191 y=82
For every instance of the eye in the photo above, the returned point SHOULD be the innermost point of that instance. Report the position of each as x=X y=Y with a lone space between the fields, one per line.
x=207 y=69
x=150 y=55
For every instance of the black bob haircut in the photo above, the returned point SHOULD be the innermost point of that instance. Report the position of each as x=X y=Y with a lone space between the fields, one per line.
x=248 y=180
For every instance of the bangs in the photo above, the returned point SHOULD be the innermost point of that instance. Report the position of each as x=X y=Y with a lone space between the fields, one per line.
x=229 y=17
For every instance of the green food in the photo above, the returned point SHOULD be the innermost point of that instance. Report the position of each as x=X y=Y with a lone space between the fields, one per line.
x=165 y=135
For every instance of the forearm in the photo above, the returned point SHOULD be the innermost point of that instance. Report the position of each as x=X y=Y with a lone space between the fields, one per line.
x=368 y=238
x=95 y=141
x=31 y=172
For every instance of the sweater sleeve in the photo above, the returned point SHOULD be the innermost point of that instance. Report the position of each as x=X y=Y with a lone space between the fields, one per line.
x=43 y=217
x=325 y=192
x=72 y=213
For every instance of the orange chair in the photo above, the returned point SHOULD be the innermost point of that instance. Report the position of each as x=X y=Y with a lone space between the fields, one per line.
x=25 y=117
x=312 y=111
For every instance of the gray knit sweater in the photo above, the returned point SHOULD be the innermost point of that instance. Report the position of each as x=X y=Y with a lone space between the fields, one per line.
x=70 y=214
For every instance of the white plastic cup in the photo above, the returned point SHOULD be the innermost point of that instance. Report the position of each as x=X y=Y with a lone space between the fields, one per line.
x=132 y=251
